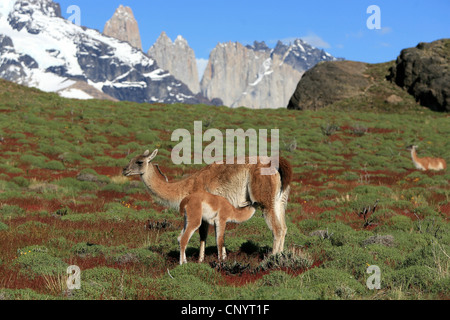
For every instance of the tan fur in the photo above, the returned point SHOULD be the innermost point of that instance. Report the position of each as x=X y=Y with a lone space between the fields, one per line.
x=427 y=163
x=237 y=183
x=215 y=210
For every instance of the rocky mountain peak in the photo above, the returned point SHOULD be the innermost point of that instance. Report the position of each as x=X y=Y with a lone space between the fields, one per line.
x=258 y=46
x=163 y=39
x=123 y=26
x=178 y=58
x=29 y=14
x=180 y=41
x=257 y=76
x=46 y=7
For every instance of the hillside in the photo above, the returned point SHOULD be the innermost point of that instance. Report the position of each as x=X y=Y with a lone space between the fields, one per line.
x=64 y=202
x=418 y=76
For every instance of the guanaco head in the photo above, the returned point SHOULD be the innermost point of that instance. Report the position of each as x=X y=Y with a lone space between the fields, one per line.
x=411 y=147
x=138 y=165
x=247 y=203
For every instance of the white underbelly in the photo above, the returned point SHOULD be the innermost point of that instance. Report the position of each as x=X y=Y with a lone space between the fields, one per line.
x=208 y=214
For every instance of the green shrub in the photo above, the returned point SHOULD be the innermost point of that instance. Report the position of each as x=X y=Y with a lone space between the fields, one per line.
x=351 y=259
x=72 y=184
x=86 y=249
x=33 y=263
x=144 y=256
x=401 y=222
x=191 y=281
x=418 y=277
x=327 y=204
x=348 y=176
x=24 y=294
x=147 y=137
x=328 y=193
x=102 y=283
x=37 y=161
x=53 y=165
x=332 y=283
x=26 y=227
x=276 y=278
x=286 y=260
x=21 y=181
x=3 y=227
x=11 y=211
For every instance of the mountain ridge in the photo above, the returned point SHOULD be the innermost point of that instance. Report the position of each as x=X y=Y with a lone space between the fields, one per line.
x=257 y=76
x=44 y=50
x=48 y=52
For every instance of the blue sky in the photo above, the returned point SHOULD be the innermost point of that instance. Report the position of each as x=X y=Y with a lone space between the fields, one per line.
x=339 y=27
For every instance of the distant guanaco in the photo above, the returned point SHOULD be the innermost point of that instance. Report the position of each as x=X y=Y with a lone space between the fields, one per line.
x=426 y=163
x=215 y=210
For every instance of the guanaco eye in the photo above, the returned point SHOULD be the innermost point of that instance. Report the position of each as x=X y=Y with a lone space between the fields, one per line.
x=140 y=162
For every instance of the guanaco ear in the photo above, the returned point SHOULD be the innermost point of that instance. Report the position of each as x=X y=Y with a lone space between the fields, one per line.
x=245 y=204
x=152 y=156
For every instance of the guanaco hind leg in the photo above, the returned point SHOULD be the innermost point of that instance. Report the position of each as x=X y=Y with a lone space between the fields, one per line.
x=220 y=234
x=276 y=221
x=204 y=228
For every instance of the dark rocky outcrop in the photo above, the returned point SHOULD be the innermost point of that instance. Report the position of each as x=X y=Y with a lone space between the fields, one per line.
x=329 y=82
x=424 y=71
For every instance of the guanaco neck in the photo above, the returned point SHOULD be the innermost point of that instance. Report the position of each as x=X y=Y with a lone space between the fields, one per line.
x=414 y=157
x=243 y=214
x=165 y=192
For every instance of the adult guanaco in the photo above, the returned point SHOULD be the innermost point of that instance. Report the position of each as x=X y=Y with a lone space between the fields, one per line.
x=237 y=183
x=426 y=163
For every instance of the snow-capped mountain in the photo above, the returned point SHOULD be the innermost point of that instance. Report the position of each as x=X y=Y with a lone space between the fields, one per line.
x=41 y=49
x=301 y=55
x=257 y=76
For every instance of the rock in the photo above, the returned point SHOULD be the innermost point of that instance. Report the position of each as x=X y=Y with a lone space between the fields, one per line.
x=386 y=240
x=256 y=76
x=394 y=99
x=329 y=82
x=83 y=176
x=123 y=26
x=178 y=58
x=324 y=234
x=424 y=71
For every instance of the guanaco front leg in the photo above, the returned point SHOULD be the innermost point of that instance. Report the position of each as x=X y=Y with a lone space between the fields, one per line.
x=190 y=226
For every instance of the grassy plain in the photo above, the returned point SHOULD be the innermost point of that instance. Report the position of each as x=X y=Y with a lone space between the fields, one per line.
x=64 y=202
